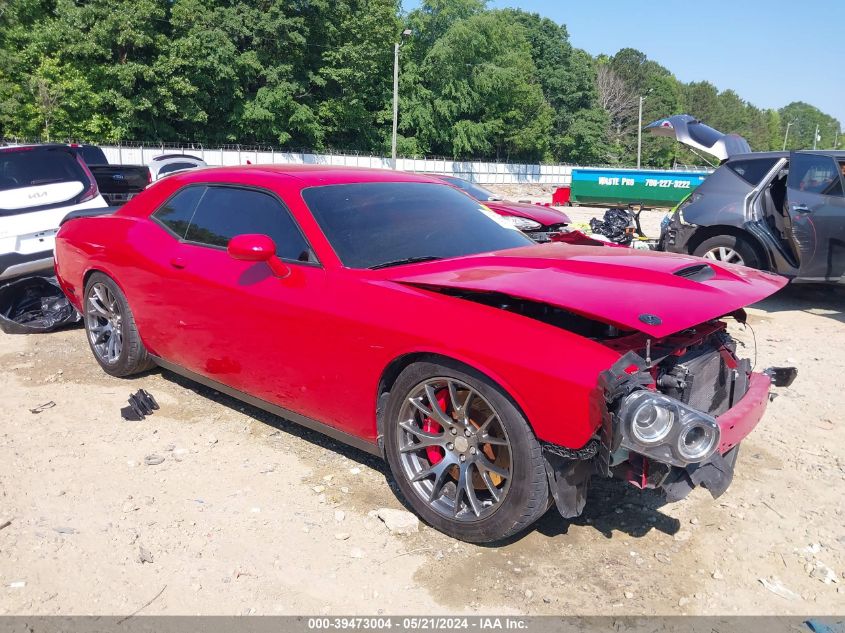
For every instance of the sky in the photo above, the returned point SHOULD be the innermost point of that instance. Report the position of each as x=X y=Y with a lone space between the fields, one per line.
x=770 y=52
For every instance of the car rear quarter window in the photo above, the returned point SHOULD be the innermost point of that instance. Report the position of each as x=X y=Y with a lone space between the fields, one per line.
x=753 y=170
x=224 y=212
x=177 y=212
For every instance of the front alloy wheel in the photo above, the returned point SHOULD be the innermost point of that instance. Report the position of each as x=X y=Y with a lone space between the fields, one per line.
x=462 y=453
x=454 y=449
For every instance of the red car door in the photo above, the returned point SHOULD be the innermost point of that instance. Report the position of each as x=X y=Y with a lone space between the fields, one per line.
x=233 y=321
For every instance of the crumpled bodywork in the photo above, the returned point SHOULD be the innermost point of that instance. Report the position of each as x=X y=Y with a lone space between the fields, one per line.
x=658 y=294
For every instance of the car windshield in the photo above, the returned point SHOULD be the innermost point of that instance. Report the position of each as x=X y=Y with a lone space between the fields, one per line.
x=171 y=167
x=378 y=223
x=476 y=191
x=34 y=167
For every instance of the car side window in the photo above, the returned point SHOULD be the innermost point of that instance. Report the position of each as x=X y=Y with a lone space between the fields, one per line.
x=177 y=212
x=224 y=212
x=754 y=170
x=812 y=173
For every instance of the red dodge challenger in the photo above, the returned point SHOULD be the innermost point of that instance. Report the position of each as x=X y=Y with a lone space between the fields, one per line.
x=394 y=313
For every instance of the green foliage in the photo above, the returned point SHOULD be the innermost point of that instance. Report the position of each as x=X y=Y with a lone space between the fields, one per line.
x=805 y=118
x=475 y=83
x=475 y=94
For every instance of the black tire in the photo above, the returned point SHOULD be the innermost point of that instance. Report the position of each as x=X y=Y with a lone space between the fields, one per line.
x=132 y=357
x=711 y=248
x=526 y=497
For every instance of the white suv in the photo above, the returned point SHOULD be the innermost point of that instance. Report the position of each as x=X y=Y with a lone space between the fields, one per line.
x=39 y=186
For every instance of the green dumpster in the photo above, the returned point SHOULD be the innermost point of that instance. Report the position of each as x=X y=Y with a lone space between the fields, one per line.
x=624 y=187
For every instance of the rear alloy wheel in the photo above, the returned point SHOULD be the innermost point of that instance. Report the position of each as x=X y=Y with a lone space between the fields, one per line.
x=729 y=249
x=463 y=455
x=111 y=330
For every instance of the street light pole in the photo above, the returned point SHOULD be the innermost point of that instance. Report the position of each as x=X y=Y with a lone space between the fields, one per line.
x=640 y=135
x=405 y=34
x=395 y=101
x=786 y=136
x=816 y=136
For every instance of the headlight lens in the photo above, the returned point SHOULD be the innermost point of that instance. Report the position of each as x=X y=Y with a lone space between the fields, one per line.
x=651 y=423
x=523 y=224
x=697 y=441
x=666 y=429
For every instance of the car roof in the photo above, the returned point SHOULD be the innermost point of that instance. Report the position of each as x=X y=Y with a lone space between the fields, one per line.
x=308 y=175
x=33 y=146
x=838 y=154
x=170 y=156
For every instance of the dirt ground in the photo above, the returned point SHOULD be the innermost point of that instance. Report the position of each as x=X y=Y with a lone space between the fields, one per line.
x=249 y=514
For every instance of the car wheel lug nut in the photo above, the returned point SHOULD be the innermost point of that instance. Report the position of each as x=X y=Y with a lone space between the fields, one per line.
x=467 y=432
x=450 y=446
x=472 y=450
x=454 y=431
x=463 y=457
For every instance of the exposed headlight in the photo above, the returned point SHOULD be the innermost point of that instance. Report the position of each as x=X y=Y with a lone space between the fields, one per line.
x=651 y=422
x=697 y=441
x=523 y=224
x=666 y=429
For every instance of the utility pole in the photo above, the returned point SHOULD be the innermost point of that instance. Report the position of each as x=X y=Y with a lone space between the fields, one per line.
x=786 y=136
x=405 y=34
x=640 y=135
x=395 y=102
x=815 y=136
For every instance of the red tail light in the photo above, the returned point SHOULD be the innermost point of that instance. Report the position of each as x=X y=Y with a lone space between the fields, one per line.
x=92 y=191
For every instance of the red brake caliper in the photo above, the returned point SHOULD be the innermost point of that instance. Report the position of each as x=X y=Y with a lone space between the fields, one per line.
x=435 y=453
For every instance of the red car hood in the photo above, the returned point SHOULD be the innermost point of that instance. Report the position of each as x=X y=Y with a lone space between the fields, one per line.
x=536 y=212
x=655 y=293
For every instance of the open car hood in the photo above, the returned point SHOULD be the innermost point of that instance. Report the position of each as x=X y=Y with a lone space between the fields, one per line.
x=690 y=131
x=655 y=293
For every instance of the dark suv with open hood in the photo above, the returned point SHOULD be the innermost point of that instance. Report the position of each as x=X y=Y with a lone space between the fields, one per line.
x=778 y=211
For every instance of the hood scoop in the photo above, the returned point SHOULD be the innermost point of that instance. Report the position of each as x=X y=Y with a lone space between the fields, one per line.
x=698 y=272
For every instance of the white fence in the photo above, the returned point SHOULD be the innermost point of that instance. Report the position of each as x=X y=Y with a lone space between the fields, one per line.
x=477 y=171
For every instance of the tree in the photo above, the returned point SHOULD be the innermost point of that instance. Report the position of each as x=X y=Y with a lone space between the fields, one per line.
x=806 y=118
x=355 y=98
x=619 y=104
x=567 y=77
x=476 y=94
x=475 y=82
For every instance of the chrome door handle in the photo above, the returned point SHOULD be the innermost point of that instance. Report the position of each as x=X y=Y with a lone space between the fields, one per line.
x=177 y=262
x=800 y=208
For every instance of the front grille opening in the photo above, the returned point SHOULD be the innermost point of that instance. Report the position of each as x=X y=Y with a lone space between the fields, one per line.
x=708 y=377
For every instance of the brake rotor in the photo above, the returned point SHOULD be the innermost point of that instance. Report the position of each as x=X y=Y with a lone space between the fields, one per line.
x=435 y=453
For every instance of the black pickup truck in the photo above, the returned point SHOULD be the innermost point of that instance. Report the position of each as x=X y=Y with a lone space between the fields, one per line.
x=117 y=183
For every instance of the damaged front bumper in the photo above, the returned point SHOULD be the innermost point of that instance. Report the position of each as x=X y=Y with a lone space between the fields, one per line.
x=569 y=471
